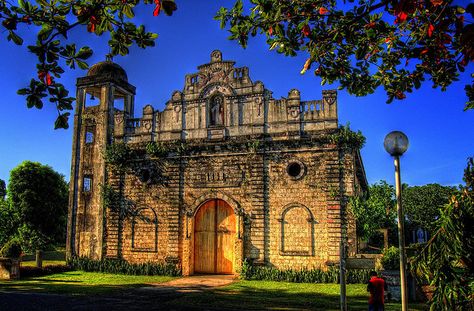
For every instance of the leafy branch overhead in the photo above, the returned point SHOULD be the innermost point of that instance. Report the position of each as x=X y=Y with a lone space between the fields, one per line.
x=394 y=44
x=52 y=21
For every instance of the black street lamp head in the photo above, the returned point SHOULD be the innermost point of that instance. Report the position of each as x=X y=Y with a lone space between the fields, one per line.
x=396 y=143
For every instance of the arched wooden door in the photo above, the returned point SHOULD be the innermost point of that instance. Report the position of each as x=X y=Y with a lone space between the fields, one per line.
x=214 y=238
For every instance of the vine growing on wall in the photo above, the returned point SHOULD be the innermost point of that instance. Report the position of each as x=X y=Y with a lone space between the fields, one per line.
x=156 y=149
x=160 y=149
x=116 y=202
x=346 y=138
x=119 y=156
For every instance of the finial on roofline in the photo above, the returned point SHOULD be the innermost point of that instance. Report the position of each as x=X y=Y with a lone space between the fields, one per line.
x=109 y=57
x=216 y=56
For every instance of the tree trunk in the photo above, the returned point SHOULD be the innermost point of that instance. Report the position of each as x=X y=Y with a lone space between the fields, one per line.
x=39 y=258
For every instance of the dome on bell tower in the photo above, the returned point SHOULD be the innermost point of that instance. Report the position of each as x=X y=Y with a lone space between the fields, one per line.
x=108 y=68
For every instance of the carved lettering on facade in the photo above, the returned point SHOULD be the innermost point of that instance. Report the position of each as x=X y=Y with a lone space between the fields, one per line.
x=226 y=175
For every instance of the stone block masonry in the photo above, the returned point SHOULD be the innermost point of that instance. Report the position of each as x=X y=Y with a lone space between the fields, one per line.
x=235 y=174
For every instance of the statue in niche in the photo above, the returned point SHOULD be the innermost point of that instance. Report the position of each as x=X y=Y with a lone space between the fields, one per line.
x=216 y=111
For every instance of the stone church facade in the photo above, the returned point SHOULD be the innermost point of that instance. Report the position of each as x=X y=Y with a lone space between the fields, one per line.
x=224 y=173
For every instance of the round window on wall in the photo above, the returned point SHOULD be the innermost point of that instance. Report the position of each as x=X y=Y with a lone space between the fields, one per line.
x=296 y=169
x=145 y=175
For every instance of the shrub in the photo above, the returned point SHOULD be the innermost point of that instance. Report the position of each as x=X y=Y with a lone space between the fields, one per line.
x=123 y=267
x=391 y=258
x=262 y=273
x=11 y=249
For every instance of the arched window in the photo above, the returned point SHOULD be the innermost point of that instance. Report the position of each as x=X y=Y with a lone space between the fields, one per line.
x=297 y=231
x=145 y=230
x=216 y=111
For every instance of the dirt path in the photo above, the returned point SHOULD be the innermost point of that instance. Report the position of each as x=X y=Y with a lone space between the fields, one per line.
x=193 y=283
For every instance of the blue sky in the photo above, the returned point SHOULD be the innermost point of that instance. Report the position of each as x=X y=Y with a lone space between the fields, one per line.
x=440 y=133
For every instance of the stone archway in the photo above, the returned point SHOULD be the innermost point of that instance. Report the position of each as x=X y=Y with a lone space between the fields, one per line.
x=215 y=226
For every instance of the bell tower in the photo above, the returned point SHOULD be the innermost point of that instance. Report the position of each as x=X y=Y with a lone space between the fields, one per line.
x=101 y=94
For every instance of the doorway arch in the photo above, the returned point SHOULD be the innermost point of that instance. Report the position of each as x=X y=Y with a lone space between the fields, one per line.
x=214 y=238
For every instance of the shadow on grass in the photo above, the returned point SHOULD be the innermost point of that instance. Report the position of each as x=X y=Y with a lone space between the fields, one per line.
x=238 y=296
x=251 y=298
x=264 y=299
x=70 y=287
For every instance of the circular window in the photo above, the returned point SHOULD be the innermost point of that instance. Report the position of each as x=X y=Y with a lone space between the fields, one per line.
x=145 y=176
x=295 y=169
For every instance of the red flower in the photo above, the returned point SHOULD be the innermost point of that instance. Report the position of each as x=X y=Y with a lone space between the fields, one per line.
x=270 y=31
x=430 y=30
x=400 y=95
x=436 y=2
x=92 y=22
x=370 y=25
x=157 y=9
x=45 y=77
x=306 y=30
x=323 y=10
x=401 y=17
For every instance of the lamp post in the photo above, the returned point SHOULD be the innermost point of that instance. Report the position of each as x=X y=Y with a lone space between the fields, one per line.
x=396 y=143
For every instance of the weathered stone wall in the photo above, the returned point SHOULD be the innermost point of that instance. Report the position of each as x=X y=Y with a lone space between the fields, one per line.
x=270 y=160
x=283 y=219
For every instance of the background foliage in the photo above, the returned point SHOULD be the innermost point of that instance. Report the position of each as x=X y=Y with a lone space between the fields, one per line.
x=446 y=262
x=36 y=208
x=375 y=211
x=423 y=204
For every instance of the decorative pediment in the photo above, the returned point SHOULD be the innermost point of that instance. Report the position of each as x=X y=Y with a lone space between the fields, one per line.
x=218 y=87
x=217 y=71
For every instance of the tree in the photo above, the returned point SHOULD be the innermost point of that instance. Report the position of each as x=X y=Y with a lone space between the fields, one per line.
x=38 y=196
x=423 y=204
x=447 y=260
x=376 y=211
x=8 y=222
x=394 y=44
x=53 y=21
x=3 y=189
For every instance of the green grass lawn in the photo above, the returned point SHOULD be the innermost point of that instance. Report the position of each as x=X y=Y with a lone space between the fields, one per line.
x=258 y=295
x=241 y=295
x=81 y=283
x=32 y=263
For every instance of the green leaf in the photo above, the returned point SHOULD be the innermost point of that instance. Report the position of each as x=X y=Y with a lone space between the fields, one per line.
x=81 y=64
x=62 y=121
x=169 y=6
x=84 y=53
x=45 y=32
x=23 y=91
x=127 y=10
x=15 y=38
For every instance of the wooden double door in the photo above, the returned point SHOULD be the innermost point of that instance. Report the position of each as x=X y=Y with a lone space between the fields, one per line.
x=214 y=238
